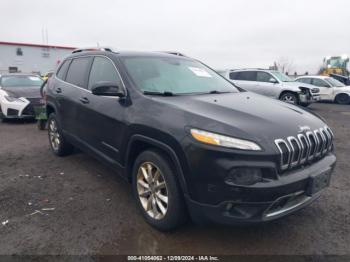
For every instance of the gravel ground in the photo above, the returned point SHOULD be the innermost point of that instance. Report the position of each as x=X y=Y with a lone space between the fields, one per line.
x=90 y=209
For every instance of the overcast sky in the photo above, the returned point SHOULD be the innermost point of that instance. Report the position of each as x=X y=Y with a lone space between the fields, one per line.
x=223 y=34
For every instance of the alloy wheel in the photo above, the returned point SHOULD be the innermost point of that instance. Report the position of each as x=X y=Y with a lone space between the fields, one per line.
x=152 y=190
x=289 y=99
x=54 y=135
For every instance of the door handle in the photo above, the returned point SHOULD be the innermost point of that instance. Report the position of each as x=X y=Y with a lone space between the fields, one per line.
x=84 y=100
x=58 y=90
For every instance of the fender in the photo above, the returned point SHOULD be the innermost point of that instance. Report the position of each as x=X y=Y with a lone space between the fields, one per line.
x=164 y=147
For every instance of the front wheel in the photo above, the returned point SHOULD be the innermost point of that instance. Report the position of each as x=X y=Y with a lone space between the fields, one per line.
x=157 y=191
x=289 y=98
x=342 y=99
x=59 y=145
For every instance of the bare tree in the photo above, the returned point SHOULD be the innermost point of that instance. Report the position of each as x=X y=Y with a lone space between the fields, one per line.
x=284 y=64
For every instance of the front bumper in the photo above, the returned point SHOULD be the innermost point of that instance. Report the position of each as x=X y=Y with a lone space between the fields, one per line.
x=265 y=201
x=19 y=110
x=307 y=99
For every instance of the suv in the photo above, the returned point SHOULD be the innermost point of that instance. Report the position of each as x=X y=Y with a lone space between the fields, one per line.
x=273 y=84
x=330 y=88
x=187 y=139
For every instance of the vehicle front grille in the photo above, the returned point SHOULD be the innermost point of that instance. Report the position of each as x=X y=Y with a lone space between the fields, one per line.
x=304 y=148
x=28 y=110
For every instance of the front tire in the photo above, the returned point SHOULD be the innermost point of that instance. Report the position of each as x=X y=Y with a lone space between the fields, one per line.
x=157 y=191
x=342 y=99
x=290 y=98
x=59 y=145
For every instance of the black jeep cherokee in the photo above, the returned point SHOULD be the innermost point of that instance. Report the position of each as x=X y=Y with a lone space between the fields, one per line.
x=188 y=140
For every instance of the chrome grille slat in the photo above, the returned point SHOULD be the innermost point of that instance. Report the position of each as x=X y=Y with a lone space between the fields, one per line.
x=305 y=147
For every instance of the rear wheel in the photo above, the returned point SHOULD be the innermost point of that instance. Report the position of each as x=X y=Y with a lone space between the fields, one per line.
x=290 y=98
x=157 y=191
x=342 y=99
x=59 y=145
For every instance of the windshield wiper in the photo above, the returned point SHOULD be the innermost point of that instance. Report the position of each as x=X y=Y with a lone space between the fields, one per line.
x=155 y=93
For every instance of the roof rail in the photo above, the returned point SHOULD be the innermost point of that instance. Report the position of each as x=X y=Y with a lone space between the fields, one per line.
x=107 y=49
x=174 y=53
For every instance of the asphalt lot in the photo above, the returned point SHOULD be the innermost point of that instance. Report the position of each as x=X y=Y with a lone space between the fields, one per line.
x=90 y=209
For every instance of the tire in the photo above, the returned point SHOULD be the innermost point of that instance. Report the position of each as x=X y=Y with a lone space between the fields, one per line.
x=290 y=98
x=60 y=147
x=41 y=124
x=175 y=211
x=342 y=99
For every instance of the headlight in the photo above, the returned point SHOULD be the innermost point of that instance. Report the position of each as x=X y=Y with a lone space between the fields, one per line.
x=225 y=141
x=12 y=99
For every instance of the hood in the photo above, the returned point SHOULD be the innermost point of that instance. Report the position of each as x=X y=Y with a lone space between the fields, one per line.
x=23 y=91
x=244 y=115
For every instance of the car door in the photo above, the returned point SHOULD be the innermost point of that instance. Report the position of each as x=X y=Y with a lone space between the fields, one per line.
x=326 y=90
x=69 y=91
x=245 y=80
x=101 y=118
x=267 y=84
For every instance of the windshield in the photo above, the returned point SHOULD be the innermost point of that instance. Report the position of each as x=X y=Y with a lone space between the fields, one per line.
x=174 y=75
x=281 y=76
x=20 y=81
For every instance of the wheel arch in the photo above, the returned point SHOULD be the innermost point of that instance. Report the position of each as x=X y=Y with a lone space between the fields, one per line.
x=139 y=143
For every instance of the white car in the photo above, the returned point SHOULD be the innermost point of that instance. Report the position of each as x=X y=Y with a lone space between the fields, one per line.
x=273 y=84
x=330 y=88
x=19 y=94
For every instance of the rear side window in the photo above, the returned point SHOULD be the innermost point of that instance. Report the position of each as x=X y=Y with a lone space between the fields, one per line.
x=234 y=75
x=103 y=70
x=246 y=76
x=78 y=71
x=304 y=80
x=61 y=74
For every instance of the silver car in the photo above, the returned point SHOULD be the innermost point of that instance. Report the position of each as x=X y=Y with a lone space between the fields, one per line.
x=273 y=84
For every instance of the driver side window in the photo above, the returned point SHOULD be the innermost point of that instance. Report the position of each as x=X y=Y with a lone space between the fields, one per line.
x=264 y=77
x=319 y=83
x=103 y=70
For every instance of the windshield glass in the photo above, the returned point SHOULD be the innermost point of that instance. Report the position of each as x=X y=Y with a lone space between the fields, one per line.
x=334 y=82
x=281 y=76
x=175 y=75
x=20 y=81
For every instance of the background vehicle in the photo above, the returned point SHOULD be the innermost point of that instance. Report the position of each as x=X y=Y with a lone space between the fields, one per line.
x=335 y=65
x=273 y=84
x=19 y=94
x=187 y=139
x=330 y=88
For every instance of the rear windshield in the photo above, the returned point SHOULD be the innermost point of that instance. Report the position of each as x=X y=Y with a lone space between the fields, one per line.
x=175 y=75
x=20 y=81
x=334 y=82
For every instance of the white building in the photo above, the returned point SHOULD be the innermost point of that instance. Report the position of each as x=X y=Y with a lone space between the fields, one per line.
x=31 y=58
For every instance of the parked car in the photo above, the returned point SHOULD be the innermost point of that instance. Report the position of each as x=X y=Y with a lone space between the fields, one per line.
x=330 y=88
x=273 y=84
x=187 y=139
x=19 y=94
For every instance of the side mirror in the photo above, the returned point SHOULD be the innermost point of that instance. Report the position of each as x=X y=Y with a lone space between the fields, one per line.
x=105 y=88
x=273 y=80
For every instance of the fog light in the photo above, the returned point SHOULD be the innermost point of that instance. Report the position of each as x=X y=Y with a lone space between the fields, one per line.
x=244 y=176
